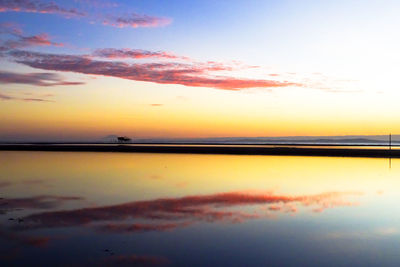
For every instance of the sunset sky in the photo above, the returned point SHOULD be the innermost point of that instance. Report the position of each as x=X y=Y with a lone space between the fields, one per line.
x=84 y=69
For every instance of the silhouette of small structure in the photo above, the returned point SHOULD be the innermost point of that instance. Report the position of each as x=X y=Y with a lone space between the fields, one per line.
x=123 y=139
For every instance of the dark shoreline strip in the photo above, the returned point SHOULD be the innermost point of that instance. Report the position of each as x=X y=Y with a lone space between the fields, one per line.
x=231 y=150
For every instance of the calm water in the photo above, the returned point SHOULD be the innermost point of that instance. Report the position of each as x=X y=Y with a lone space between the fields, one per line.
x=63 y=209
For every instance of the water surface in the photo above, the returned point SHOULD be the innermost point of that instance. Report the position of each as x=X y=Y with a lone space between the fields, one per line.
x=73 y=208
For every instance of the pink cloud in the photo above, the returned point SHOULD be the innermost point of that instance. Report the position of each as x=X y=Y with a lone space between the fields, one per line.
x=197 y=75
x=126 y=53
x=10 y=28
x=27 y=41
x=275 y=207
x=40 y=40
x=135 y=20
x=38 y=79
x=22 y=41
x=35 y=6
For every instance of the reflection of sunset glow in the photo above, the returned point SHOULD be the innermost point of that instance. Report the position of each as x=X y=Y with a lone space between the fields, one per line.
x=163 y=175
x=115 y=195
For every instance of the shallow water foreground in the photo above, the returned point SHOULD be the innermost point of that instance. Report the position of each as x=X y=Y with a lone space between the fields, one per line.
x=78 y=208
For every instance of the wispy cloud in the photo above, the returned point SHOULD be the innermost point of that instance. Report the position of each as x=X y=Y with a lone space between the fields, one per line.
x=37 y=79
x=26 y=99
x=133 y=20
x=35 y=6
x=136 y=20
x=27 y=41
x=194 y=74
x=35 y=100
x=126 y=53
x=6 y=97
x=10 y=28
x=98 y=3
x=22 y=41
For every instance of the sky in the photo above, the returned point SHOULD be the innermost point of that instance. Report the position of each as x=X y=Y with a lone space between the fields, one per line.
x=84 y=69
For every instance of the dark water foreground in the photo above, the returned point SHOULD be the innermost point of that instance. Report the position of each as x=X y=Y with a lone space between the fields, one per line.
x=336 y=151
x=148 y=209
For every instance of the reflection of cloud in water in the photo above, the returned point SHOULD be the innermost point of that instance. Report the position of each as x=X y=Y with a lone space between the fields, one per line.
x=38 y=202
x=155 y=177
x=38 y=182
x=5 y=184
x=135 y=260
x=23 y=240
x=16 y=241
x=364 y=234
x=224 y=207
x=31 y=182
x=140 y=228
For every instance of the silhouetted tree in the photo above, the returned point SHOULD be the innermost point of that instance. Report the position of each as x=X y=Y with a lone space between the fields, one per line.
x=123 y=139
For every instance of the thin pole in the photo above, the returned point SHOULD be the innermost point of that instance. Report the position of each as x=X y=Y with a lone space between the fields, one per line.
x=390 y=151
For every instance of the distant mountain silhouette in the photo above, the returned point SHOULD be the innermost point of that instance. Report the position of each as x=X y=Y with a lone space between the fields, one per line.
x=375 y=139
x=350 y=140
x=112 y=138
